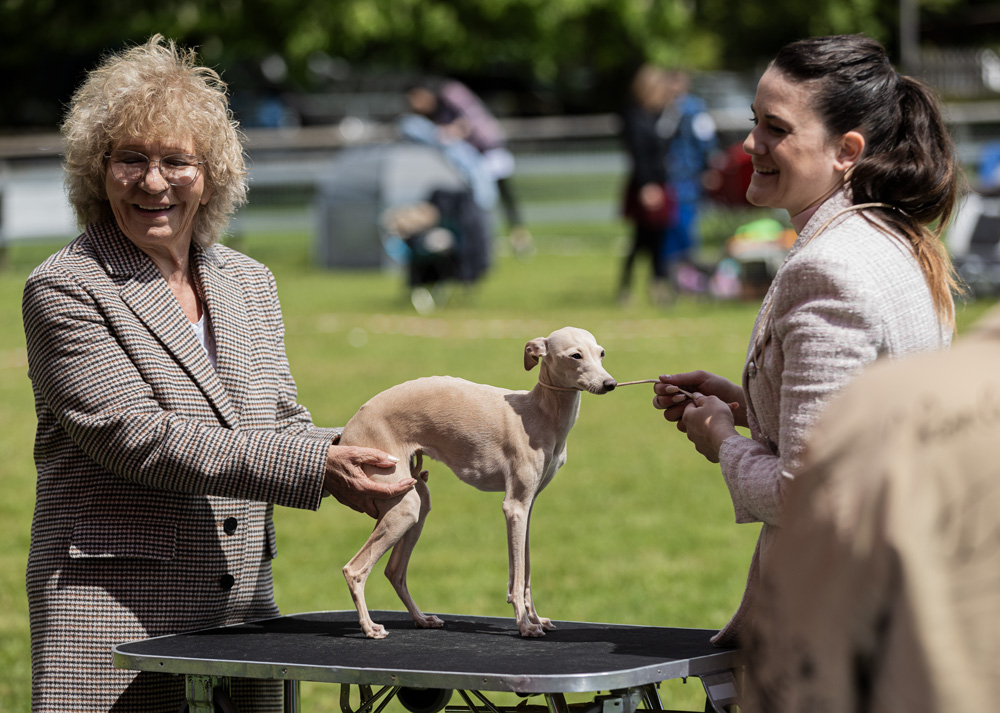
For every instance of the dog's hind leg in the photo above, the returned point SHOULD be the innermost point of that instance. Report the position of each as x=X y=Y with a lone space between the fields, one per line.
x=395 y=569
x=391 y=527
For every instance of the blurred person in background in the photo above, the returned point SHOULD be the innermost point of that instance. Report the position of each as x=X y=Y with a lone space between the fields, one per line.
x=460 y=114
x=862 y=160
x=883 y=589
x=692 y=141
x=650 y=203
x=168 y=420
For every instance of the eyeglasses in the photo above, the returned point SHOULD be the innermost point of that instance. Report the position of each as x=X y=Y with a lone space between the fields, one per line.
x=131 y=166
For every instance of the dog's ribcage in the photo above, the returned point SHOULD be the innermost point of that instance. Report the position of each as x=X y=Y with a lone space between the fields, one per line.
x=460 y=423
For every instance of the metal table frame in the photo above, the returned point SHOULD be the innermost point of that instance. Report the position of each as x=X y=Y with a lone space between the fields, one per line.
x=206 y=670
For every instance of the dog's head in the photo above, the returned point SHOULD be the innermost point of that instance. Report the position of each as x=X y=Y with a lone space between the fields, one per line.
x=572 y=360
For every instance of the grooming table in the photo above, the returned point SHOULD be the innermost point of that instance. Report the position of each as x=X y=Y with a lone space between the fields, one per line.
x=421 y=667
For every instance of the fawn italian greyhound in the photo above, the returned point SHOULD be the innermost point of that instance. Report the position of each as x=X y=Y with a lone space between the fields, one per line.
x=493 y=439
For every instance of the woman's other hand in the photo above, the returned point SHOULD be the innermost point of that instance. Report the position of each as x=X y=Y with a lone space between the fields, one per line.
x=673 y=402
x=707 y=421
x=347 y=481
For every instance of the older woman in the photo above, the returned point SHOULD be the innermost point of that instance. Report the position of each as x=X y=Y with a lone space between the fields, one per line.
x=168 y=423
x=861 y=159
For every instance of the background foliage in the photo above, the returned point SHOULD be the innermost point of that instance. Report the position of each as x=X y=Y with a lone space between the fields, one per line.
x=555 y=55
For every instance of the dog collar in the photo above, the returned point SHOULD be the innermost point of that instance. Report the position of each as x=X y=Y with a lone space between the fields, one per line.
x=556 y=388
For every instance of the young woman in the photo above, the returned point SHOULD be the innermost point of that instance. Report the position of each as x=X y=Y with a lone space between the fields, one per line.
x=861 y=159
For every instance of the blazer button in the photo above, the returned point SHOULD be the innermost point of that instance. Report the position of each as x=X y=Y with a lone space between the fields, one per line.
x=227 y=581
x=230 y=525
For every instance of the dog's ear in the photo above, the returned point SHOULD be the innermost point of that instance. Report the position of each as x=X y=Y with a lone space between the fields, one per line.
x=533 y=351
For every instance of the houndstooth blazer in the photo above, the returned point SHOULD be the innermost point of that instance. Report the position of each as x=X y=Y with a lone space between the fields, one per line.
x=843 y=298
x=156 y=472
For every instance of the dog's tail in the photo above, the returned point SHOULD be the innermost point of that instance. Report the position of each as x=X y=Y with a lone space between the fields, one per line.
x=417 y=465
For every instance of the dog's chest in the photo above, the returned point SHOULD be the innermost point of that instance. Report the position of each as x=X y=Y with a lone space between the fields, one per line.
x=557 y=461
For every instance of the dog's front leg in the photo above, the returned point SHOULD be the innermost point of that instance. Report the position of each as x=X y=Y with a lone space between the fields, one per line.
x=529 y=602
x=516 y=513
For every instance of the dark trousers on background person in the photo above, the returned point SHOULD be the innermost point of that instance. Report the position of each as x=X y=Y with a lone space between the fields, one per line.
x=648 y=241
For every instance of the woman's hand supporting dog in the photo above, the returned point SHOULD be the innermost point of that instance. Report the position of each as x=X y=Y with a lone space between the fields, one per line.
x=710 y=417
x=347 y=481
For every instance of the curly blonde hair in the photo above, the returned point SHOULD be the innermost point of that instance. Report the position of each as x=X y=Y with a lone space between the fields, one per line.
x=159 y=91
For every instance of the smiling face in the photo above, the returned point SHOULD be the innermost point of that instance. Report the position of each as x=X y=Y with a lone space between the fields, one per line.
x=797 y=164
x=157 y=217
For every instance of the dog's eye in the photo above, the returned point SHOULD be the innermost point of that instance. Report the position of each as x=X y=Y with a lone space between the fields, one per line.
x=602 y=354
x=576 y=355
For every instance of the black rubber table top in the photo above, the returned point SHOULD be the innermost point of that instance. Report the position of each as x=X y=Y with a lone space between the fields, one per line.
x=470 y=652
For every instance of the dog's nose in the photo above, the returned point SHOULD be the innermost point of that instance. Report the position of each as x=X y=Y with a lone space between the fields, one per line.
x=610 y=385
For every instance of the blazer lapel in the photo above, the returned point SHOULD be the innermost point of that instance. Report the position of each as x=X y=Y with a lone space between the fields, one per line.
x=230 y=320
x=146 y=293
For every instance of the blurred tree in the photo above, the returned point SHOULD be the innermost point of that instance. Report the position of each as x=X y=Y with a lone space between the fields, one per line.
x=975 y=21
x=583 y=49
x=753 y=32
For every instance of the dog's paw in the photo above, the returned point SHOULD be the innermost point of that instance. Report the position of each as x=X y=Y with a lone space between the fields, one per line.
x=374 y=631
x=529 y=630
x=428 y=621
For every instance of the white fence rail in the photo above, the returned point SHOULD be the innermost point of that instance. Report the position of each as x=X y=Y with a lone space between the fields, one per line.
x=33 y=203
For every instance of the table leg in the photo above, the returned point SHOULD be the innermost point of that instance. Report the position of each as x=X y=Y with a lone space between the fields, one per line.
x=368 y=699
x=721 y=689
x=651 y=697
x=556 y=703
x=200 y=692
x=291 y=697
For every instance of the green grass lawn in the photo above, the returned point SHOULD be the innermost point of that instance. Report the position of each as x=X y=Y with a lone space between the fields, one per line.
x=637 y=528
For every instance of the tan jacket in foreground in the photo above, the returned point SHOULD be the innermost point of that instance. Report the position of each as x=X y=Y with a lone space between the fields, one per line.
x=882 y=592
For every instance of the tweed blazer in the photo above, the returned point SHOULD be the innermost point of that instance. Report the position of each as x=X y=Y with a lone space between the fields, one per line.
x=156 y=472
x=848 y=293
